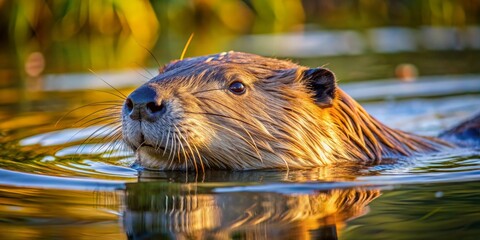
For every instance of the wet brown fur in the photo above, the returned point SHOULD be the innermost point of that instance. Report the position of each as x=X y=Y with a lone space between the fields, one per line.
x=277 y=123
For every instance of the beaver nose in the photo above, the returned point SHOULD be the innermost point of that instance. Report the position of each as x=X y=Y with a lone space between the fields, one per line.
x=143 y=104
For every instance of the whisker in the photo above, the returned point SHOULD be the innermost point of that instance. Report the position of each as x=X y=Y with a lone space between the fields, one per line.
x=107 y=111
x=114 y=135
x=157 y=143
x=208 y=90
x=139 y=146
x=107 y=138
x=113 y=138
x=251 y=144
x=166 y=144
x=97 y=132
x=177 y=150
x=196 y=155
x=92 y=135
x=255 y=147
x=118 y=91
x=151 y=54
x=221 y=104
x=70 y=139
x=179 y=144
x=200 y=158
x=95 y=121
x=139 y=73
x=221 y=115
x=87 y=105
x=113 y=132
x=174 y=145
x=183 y=149
x=113 y=94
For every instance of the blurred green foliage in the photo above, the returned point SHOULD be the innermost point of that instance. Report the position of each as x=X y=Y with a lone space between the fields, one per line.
x=106 y=34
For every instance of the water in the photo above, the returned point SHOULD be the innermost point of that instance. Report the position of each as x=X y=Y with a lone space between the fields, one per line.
x=56 y=182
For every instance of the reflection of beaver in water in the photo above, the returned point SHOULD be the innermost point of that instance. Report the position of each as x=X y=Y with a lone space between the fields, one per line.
x=187 y=214
x=243 y=111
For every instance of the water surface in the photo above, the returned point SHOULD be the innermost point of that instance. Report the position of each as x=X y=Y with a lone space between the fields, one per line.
x=71 y=178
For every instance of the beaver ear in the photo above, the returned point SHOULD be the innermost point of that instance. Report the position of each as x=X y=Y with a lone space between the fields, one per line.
x=322 y=82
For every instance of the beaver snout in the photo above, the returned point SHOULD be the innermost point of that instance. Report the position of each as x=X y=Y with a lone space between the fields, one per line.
x=144 y=104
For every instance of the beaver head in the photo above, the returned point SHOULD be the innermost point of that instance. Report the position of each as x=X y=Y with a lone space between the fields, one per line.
x=231 y=111
x=243 y=111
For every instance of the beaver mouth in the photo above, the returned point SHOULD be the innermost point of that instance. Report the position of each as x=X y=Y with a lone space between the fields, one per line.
x=135 y=146
x=146 y=145
x=156 y=148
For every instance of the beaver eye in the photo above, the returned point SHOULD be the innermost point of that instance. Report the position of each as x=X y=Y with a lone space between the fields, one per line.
x=237 y=88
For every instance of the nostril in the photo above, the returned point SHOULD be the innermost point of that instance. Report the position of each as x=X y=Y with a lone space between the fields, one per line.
x=129 y=104
x=154 y=107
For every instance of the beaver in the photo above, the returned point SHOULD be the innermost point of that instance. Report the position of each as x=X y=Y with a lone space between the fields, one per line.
x=242 y=111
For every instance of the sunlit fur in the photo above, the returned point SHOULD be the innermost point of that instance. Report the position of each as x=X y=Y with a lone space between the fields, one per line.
x=275 y=124
x=364 y=138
